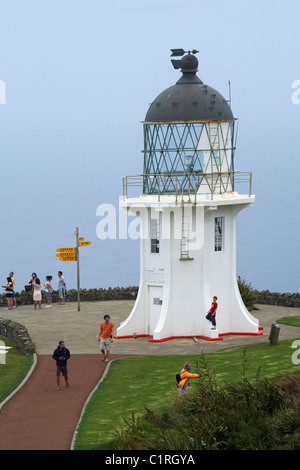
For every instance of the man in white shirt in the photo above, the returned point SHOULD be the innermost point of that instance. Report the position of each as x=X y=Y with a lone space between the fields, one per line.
x=61 y=285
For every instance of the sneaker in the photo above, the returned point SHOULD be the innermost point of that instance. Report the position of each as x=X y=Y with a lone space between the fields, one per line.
x=46 y=306
x=14 y=306
x=8 y=308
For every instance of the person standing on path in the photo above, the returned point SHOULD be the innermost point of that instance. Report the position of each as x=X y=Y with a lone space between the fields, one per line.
x=61 y=285
x=11 y=275
x=211 y=315
x=49 y=290
x=105 y=337
x=36 y=287
x=184 y=379
x=61 y=355
x=9 y=293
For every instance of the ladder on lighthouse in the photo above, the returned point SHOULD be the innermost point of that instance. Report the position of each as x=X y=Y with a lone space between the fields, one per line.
x=219 y=176
x=215 y=168
x=184 y=241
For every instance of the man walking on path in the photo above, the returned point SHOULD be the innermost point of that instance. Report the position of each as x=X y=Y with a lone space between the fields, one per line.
x=105 y=337
x=61 y=356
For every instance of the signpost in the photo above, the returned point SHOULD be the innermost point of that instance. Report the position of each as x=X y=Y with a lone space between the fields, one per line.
x=78 y=281
x=72 y=254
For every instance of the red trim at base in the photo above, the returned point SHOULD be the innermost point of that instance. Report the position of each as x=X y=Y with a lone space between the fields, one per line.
x=131 y=336
x=181 y=337
x=168 y=338
x=239 y=333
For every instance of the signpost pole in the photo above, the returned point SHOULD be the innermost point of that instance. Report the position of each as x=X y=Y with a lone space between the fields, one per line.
x=72 y=254
x=78 y=280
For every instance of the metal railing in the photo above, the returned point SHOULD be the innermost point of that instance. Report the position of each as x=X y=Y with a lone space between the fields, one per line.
x=190 y=184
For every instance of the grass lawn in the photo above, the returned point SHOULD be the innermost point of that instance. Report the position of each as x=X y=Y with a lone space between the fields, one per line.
x=291 y=321
x=134 y=382
x=14 y=370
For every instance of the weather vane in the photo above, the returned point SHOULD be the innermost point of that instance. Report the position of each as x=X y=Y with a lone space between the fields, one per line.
x=180 y=53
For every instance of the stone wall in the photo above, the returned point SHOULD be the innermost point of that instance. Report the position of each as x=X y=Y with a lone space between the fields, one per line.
x=283 y=300
x=18 y=334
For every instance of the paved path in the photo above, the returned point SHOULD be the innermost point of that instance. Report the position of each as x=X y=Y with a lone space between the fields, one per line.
x=40 y=418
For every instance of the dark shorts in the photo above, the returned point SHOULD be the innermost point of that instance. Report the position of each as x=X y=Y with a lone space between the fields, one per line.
x=61 y=370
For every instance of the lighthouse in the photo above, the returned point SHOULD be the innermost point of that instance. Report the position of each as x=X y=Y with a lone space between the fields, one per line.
x=187 y=198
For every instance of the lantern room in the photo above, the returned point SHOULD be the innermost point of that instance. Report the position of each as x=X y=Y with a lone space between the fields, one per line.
x=188 y=137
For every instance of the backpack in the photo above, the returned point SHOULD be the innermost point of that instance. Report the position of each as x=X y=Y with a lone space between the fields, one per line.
x=177 y=378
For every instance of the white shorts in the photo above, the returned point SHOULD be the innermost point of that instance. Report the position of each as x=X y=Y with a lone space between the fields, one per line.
x=182 y=391
x=105 y=344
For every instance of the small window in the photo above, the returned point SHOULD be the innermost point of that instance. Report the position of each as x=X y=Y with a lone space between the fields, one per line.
x=219 y=230
x=154 y=235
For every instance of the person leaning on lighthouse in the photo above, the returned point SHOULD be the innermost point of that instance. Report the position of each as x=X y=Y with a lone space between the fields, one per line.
x=211 y=315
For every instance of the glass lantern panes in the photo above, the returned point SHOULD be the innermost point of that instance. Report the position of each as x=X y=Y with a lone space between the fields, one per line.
x=188 y=157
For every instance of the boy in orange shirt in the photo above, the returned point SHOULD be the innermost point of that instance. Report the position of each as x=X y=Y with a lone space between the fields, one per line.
x=185 y=376
x=105 y=337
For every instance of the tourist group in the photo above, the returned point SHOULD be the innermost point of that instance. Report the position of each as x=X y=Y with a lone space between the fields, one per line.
x=36 y=287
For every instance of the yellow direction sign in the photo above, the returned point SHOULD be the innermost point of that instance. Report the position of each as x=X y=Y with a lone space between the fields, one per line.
x=81 y=239
x=85 y=243
x=66 y=250
x=66 y=254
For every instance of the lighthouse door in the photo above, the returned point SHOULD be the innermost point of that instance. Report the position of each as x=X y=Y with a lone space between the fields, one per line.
x=154 y=306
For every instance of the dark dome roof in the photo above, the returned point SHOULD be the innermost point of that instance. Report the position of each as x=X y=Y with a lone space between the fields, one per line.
x=189 y=99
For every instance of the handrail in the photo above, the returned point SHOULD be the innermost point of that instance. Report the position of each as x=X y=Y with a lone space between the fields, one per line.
x=193 y=183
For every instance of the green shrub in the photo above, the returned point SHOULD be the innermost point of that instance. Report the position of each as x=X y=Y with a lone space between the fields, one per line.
x=238 y=416
x=247 y=292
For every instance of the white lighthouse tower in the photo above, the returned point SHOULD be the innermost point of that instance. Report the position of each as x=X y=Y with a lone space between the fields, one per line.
x=188 y=204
